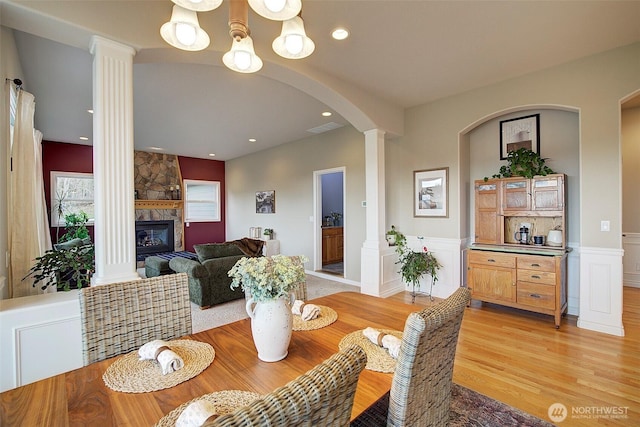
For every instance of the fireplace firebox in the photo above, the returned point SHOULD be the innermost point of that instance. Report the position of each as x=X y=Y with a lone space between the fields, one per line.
x=154 y=237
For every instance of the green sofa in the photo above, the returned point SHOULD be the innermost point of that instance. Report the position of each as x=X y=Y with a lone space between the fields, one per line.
x=209 y=283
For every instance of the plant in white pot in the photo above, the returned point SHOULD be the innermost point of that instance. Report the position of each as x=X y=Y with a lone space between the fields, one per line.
x=415 y=264
x=269 y=283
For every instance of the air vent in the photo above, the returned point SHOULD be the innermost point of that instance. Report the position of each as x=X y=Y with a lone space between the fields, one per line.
x=325 y=127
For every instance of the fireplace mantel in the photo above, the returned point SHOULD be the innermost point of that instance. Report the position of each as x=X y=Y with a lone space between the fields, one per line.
x=158 y=204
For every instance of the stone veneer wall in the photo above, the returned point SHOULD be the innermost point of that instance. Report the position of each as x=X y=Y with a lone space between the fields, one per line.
x=154 y=174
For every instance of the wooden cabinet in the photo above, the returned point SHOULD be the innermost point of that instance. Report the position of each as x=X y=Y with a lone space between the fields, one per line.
x=332 y=245
x=534 y=282
x=487 y=220
x=503 y=205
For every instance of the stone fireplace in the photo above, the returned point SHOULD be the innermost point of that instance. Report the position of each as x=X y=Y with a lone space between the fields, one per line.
x=153 y=237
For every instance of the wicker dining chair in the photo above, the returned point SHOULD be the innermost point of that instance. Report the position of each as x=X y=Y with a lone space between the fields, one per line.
x=117 y=318
x=421 y=388
x=321 y=397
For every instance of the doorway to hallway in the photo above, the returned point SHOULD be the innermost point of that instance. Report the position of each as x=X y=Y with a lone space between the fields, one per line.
x=330 y=221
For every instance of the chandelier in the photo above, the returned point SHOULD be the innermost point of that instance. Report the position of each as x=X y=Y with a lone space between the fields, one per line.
x=183 y=30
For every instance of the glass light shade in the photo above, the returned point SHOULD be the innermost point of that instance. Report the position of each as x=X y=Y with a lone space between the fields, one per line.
x=242 y=58
x=183 y=30
x=269 y=9
x=293 y=42
x=198 y=5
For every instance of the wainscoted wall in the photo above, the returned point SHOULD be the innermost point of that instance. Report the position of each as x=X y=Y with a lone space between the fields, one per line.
x=40 y=337
x=601 y=290
x=631 y=260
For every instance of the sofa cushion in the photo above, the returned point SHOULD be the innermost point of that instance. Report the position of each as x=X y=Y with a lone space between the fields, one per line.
x=216 y=250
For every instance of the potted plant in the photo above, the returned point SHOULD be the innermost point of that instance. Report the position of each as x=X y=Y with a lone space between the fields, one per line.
x=415 y=264
x=72 y=261
x=336 y=216
x=523 y=162
x=269 y=233
x=394 y=237
x=269 y=282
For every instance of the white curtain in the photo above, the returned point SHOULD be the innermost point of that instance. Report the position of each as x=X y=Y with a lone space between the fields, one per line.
x=28 y=223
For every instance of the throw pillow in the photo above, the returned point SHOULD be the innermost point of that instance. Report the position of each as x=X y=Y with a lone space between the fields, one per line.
x=216 y=250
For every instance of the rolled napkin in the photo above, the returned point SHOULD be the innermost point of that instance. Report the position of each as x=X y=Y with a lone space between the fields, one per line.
x=390 y=342
x=197 y=413
x=159 y=350
x=304 y=310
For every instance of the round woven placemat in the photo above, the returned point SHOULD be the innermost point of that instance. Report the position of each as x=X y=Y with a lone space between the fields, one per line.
x=327 y=316
x=131 y=375
x=225 y=401
x=378 y=358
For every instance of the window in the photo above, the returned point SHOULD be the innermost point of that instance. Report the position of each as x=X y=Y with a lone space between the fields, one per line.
x=71 y=193
x=201 y=200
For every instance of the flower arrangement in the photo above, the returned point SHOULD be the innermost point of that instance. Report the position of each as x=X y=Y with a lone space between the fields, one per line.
x=268 y=277
x=336 y=216
x=268 y=232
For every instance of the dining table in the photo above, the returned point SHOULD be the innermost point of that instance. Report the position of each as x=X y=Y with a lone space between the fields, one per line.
x=80 y=397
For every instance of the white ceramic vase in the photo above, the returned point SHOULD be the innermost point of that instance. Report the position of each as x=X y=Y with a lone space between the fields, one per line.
x=271 y=326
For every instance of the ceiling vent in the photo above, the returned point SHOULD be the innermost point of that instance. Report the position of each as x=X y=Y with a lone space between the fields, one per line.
x=325 y=127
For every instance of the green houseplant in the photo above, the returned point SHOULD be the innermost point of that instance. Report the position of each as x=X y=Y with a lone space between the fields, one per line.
x=523 y=162
x=268 y=232
x=72 y=261
x=414 y=264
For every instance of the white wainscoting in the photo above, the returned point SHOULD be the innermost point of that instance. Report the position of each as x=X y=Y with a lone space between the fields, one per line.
x=631 y=259
x=40 y=337
x=601 y=290
x=447 y=252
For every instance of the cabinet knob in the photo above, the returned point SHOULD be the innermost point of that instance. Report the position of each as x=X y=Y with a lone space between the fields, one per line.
x=491 y=260
x=535 y=264
x=535 y=296
x=535 y=276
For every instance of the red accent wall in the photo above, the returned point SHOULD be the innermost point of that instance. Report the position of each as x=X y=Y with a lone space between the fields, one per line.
x=207 y=170
x=61 y=156
x=64 y=157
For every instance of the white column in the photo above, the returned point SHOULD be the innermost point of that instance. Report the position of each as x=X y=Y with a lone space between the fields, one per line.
x=113 y=161
x=375 y=248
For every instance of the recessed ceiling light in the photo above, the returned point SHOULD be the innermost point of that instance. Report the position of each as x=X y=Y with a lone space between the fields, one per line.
x=156 y=148
x=340 y=33
x=252 y=140
x=90 y=111
x=326 y=114
x=84 y=138
x=212 y=155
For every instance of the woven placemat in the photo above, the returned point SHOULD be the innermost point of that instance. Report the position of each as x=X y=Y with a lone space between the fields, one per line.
x=225 y=401
x=128 y=374
x=378 y=358
x=327 y=316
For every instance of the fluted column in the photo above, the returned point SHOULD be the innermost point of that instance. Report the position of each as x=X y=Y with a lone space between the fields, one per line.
x=113 y=162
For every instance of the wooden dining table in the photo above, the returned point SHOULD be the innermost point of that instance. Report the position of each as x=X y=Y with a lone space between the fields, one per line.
x=80 y=397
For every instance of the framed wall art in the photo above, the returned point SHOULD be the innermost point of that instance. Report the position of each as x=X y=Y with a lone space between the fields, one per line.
x=266 y=201
x=430 y=193
x=522 y=132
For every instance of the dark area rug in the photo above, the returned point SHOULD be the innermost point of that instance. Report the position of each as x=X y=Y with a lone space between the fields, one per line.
x=468 y=408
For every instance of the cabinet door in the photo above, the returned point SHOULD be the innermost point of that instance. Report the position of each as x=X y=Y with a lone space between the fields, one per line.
x=548 y=193
x=487 y=218
x=492 y=283
x=516 y=194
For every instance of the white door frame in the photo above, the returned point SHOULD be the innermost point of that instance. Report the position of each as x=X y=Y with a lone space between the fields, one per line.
x=317 y=216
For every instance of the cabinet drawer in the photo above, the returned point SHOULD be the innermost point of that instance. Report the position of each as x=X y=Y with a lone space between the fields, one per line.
x=492 y=258
x=539 y=263
x=538 y=277
x=536 y=295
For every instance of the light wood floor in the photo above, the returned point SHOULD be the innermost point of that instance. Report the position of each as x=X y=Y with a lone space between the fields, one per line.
x=519 y=358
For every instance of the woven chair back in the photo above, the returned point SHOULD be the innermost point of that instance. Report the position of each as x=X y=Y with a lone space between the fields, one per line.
x=321 y=397
x=120 y=317
x=421 y=388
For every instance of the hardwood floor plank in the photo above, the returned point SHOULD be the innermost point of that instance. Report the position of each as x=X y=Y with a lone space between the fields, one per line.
x=519 y=358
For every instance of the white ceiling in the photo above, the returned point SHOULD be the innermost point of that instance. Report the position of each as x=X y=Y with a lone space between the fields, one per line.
x=400 y=54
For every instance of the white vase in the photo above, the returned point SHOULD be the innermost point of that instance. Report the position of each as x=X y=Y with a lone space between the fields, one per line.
x=271 y=326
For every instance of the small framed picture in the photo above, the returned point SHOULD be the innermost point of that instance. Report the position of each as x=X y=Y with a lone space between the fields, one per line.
x=266 y=201
x=430 y=193
x=522 y=132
